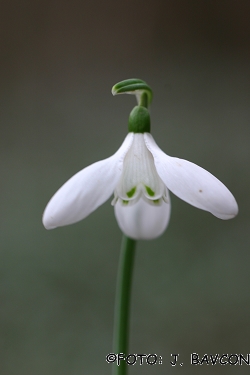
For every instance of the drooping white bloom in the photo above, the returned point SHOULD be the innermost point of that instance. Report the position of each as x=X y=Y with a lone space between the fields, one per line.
x=139 y=174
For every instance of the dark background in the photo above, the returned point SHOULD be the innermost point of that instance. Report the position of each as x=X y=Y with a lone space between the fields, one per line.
x=59 y=60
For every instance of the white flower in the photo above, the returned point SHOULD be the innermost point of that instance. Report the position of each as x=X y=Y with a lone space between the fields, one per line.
x=139 y=174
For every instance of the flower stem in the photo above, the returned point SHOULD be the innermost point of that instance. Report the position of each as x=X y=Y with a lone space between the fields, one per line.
x=143 y=101
x=122 y=302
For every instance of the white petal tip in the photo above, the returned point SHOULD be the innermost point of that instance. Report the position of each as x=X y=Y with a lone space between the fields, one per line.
x=48 y=222
x=229 y=214
x=143 y=221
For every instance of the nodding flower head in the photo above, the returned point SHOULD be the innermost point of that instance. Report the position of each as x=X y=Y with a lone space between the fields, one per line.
x=140 y=176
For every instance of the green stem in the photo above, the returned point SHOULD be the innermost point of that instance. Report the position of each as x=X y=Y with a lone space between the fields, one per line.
x=122 y=302
x=144 y=100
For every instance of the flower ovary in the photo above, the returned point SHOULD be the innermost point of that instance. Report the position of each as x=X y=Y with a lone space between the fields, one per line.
x=139 y=120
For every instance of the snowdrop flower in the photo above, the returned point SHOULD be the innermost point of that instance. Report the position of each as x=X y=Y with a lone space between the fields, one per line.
x=140 y=176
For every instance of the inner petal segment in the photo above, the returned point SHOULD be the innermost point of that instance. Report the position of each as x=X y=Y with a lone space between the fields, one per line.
x=139 y=176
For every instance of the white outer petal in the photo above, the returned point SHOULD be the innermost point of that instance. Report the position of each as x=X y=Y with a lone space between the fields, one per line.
x=142 y=220
x=86 y=190
x=192 y=183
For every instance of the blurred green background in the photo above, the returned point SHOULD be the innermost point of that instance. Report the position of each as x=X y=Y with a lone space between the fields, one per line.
x=59 y=60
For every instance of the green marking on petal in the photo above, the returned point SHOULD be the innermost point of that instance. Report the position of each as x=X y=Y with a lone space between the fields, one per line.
x=150 y=191
x=131 y=192
x=156 y=201
x=124 y=202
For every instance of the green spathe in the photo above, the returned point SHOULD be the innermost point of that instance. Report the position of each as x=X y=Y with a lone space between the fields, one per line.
x=139 y=120
x=137 y=87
